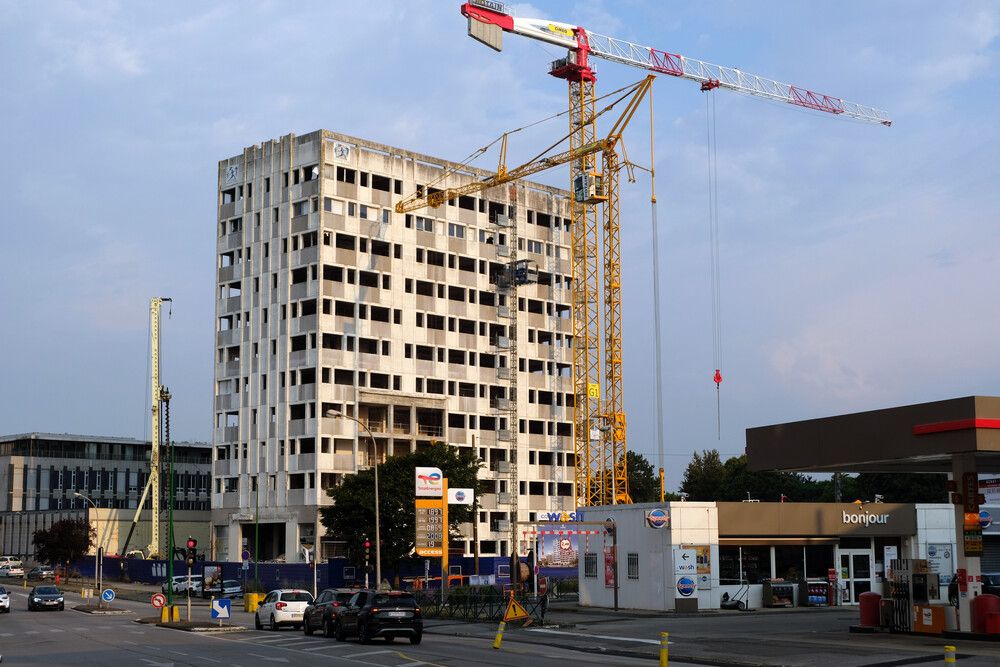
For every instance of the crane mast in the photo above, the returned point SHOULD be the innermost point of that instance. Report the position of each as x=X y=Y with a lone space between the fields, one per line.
x=600 y=428
x=156 y=391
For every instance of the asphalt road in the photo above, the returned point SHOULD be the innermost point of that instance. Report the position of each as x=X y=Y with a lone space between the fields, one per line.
x=75 y=638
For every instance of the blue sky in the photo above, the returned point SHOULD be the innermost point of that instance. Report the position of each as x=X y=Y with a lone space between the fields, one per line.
x=858 y=263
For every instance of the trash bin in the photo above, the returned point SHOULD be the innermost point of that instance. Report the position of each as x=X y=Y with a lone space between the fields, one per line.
x=982 y=607
x=869 y=604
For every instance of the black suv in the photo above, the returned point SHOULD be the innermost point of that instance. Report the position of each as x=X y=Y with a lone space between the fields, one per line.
x=387 y=614
x=322 y=613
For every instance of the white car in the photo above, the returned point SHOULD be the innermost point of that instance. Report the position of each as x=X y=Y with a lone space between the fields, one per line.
x=181 y=584
x=4 y=600
x=11 y=571
x=11 y=560
x=284 y=606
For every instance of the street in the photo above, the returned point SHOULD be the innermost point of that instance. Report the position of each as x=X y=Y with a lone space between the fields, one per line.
x=577 y=635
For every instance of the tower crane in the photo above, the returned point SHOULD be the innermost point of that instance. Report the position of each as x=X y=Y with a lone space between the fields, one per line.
x=601 y=476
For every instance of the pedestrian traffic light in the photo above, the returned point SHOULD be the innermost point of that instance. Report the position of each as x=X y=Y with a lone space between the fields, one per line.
x=368 y=545
x=192 y=551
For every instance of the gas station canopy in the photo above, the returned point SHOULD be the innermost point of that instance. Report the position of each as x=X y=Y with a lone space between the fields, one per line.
x=911 y=438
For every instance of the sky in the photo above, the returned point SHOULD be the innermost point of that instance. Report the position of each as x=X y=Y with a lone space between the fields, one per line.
x=858 y=264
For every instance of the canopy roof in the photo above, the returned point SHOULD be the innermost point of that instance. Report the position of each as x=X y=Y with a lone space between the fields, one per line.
x=910 y=438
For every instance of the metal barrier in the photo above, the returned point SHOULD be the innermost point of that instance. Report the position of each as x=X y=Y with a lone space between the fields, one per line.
x=477 y=604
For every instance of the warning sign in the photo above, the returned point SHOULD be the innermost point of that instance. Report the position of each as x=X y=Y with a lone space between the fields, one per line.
x=515 y=611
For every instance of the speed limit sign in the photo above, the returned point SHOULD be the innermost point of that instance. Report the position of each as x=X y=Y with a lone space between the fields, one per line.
x=159 y=599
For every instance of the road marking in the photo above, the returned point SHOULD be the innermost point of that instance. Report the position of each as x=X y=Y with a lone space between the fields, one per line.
x=362 y=655
x=264 y=657
x=7 y=634
x=158 y=664
x=177 y=652
x=578 y=635
x=203 y=657
x=31 y=632
x=56 y=630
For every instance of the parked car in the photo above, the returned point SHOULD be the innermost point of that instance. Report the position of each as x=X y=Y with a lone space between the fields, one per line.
x=45 y=597
x=11 y=560
x=231 y=588
x=4 y=600
x=284 y=606
x=387 y=614
x=322 y=613
x=41 y=572
x=181 y=584
x=11 y=571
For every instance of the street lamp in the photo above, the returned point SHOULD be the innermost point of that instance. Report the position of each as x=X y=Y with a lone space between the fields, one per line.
x=378 y=539
x=97 y=551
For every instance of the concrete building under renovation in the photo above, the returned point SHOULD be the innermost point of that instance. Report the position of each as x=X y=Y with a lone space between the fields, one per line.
x=327 y=302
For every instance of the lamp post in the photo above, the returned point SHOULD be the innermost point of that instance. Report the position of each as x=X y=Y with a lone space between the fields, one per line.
x=97 y=554
x=378 y=539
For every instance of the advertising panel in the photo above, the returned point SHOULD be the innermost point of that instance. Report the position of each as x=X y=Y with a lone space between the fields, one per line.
x=428 y=482
x=559 y=551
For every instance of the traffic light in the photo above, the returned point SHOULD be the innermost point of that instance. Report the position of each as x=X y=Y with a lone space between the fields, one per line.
x=368 y=549
x=192 y=551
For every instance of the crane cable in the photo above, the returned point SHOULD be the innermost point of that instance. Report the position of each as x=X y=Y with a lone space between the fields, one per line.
x=713 y=233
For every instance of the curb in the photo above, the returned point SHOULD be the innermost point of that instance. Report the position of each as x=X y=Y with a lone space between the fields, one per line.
x=101 y=612
x=207 y=628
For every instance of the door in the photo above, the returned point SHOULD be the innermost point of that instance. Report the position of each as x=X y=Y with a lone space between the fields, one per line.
x=855 y=574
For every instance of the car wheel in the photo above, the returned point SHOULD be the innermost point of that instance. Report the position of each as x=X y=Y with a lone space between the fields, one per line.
x=306 y=628
x=364 y=635
x=61 y=607
x=274 y=624
x=389 y=639
x=339 y=633
x=328 y=628
x=415 y=639
x=256 y=622
x=296 y=626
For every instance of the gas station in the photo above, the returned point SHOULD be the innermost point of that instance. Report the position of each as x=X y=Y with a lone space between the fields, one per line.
x=959 y=436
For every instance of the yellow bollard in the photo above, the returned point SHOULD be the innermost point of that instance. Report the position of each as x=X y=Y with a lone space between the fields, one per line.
x=949 y=655
x=664 y=643
x=499 y=638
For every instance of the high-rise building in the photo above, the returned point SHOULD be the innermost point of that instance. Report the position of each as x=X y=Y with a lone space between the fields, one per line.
x=327 y=301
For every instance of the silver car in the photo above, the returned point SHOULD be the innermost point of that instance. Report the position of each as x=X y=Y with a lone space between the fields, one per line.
x=4 y=600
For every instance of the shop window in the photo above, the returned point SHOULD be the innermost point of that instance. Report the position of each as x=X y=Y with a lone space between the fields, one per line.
x=819 y=559
x=590 y=566
x=789 y=563
x=756 y=563
x=729 y=565
x=633 y=566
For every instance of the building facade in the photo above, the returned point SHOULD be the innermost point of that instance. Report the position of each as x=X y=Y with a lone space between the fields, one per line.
x=327 y=302
x=43 y=471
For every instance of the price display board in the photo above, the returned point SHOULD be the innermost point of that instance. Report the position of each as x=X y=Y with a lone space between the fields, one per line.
x=430 y=526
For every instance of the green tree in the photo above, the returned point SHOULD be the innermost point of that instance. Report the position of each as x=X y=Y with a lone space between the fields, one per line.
x=64 y=541
x=766 y=486
x=351 y=518
x=643 y=481
x=901 y=487
x=704 y=476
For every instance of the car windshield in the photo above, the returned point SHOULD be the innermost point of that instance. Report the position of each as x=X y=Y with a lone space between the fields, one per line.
x=296 y=596
x=991 y=579
x=395 y=601
x=344 y=597
x=3 y=590
x=47 y=590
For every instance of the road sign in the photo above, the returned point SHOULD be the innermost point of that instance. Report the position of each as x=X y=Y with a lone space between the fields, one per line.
x=515 y=611
x=686 y=586
x=107 y=595
x=985 y=520
x=246 y=565
x=158 y=600
x=685 y=561
x=246 y=554
x=221 y=608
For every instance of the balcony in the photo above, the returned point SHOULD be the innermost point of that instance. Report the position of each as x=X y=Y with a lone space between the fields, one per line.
x=435 y=430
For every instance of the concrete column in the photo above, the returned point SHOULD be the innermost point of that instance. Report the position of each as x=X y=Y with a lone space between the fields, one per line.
x=292 y=553
x=965 y=463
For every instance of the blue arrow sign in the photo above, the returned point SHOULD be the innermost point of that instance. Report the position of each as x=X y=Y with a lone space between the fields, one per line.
x=221 y=608
x=107 y=595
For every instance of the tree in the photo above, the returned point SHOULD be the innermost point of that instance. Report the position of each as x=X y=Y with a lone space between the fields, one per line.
x=643 y=482
x=766 y=485
x=902 y=487
x=351 y=518
x=704 y=476
x=64 y=541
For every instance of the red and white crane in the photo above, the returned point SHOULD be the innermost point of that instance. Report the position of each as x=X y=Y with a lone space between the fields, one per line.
x=601 y=475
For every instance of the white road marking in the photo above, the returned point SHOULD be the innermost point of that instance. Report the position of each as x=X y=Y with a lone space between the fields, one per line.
x=264 y=657
x=362 y=655
x=580 y=634
x=203 y=657
x=56 y=630
x=7 y=634
x=31 y=632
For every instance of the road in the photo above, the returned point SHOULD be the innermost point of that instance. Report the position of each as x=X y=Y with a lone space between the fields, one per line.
x=75 y=638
